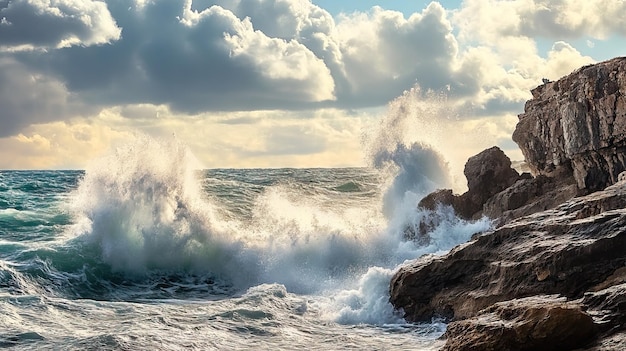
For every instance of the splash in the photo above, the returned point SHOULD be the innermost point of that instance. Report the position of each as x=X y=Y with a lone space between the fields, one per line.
x=142 y=209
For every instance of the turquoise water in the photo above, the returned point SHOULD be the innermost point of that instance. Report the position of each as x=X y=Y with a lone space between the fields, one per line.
x=140 y=251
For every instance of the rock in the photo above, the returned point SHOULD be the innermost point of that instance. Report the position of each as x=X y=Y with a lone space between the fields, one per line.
x=613 y=342
x=609 y=304
x=576 y=126
x=488 y=173
x=536 y=323
x=527 y=196
x=439 y=197
x=497 y=191
x=499 y=290
x=566 y=251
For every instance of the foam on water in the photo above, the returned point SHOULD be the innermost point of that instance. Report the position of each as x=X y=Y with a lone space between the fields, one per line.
x=143 y=209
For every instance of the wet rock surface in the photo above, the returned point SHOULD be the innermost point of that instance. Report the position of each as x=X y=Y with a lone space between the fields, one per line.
x=576 y=251
x=567 y=251
x=552 y=274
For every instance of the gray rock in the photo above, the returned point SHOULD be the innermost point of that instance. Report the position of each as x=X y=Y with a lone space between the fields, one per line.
x=576 y=126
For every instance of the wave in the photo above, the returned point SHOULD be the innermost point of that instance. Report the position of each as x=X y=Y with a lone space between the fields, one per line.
x=143 y=218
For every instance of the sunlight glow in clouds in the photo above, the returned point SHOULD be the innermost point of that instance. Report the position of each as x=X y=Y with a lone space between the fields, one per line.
x=276 y=83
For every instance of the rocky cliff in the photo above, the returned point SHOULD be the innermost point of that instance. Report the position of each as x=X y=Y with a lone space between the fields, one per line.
x=578 y=125
x=552 y=275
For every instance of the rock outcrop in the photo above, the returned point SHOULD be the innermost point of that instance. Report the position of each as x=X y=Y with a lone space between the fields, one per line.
x=567 y=250
x=577 y=125
x=487 y=173
x=552 y=274
x=542 y=323
x=570 y=251
x=573 y=136
x=497 y=191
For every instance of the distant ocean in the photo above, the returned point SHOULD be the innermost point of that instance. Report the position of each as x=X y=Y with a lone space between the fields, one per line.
x=142 y=252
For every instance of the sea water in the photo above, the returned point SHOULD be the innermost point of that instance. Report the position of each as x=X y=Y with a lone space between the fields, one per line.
x=144 y=251
x=141 y=251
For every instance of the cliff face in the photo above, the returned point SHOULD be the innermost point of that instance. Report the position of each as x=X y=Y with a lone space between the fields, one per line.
x=578 y=125
x=554 y=279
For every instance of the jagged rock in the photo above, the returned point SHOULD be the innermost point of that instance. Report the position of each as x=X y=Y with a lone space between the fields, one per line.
x=487 y=173
x=534 y=324
x=577 y=126
x=573 y=136
x=566 y=250
x=609 y=304
x=444 y=197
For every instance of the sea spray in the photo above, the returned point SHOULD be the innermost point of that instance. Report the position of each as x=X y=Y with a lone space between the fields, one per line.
x=143 y=209
x=402 y=149
x=142 y=206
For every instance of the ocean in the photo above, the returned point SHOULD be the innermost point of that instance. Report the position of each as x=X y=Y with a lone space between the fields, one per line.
x=143 y=251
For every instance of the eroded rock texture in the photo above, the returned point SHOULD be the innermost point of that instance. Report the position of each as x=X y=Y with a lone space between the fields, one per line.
x=552 y=275
x=578 y=125
x=567 y=250
x=576 y=251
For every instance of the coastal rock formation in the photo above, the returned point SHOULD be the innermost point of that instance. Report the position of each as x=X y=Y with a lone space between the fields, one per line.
x=567 y=250
x=577 y=125
x=571 y=251
x=573 y=136
x=497 y=191
x=487 y=173
x=554 y=267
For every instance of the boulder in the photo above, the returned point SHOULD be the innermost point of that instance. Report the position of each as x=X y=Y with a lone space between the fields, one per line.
x=487 y=173
x=534 y=324
x=576 y=126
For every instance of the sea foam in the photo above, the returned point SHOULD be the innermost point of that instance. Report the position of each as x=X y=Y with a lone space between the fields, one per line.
x=142 y=207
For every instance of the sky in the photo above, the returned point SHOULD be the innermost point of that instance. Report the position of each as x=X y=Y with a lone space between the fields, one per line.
x=282 y=83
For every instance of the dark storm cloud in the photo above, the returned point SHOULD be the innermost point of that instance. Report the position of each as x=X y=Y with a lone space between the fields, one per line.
x=26 y=98
x=31 y=24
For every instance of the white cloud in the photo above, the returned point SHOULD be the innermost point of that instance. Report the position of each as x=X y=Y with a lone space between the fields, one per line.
x=385 y=52
x=287 y=62
x=43 y=24
x=557 y=19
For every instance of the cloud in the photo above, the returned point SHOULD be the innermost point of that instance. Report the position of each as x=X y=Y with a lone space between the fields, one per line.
x=556 y=19
x=240 y=78
x=385 y=53
x=36 y=24
x=27 y=97
x=193 y=61
x=58 y=145
x=275 y=54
